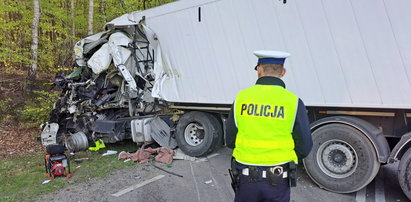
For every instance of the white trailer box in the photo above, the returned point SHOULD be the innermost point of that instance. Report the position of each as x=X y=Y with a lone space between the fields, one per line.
x=344 y=53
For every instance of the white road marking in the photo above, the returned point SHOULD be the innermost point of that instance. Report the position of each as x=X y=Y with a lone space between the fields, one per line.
x=195 y=182
x=136 y=186
x=379 y=187
x=360 y=196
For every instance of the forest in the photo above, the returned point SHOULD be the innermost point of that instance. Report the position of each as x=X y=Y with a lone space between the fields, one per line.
x=36 y=42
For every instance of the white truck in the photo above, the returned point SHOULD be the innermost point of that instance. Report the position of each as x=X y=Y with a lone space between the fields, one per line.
x=171 y=73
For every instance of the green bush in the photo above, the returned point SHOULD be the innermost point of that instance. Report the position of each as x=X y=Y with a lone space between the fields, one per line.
x=37 y=110
x=5 y=108
x=4 y=105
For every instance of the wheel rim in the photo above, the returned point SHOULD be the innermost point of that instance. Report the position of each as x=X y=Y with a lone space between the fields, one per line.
x=194 y=134
x=337 y=159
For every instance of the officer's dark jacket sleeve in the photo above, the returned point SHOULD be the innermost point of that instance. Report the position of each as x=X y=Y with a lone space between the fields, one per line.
x=231 y=129
x=301 y=132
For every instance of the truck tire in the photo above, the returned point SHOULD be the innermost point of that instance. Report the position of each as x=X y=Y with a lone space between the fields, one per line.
x=198 y=133
x=404 y=173
x=218 y=143
x=342 y=159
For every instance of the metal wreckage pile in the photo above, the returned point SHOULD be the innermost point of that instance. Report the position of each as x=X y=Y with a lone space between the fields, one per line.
x=108 y=95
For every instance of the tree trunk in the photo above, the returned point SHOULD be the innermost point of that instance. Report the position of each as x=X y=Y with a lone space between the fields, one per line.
x=103 y=10
x=73 y=33
x=73 y=28
x=90 y=17
x=32 y=74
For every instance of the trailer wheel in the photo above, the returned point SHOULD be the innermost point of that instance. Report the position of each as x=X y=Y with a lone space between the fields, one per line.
x=197 y=133
x=404 y=173
x=342 y=159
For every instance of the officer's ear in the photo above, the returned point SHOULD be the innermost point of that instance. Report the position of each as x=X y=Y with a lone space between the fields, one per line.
x=260 y=71
x=283 y=72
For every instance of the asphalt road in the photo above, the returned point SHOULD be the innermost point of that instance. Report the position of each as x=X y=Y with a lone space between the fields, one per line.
x=207 y=179
x=384 y=187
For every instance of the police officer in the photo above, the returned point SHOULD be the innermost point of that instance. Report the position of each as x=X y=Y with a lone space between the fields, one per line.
x=268 y=129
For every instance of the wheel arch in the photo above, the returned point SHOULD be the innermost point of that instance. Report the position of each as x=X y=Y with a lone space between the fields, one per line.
x=400 y=148
x=372 y=133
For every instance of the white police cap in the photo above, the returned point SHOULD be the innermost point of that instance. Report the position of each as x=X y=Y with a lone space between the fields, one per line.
x=271 y=57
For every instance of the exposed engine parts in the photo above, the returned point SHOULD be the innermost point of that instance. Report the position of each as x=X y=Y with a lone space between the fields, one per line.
x=109 y=89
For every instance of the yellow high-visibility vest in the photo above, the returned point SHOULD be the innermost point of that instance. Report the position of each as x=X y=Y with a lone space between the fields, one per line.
x=265 y=115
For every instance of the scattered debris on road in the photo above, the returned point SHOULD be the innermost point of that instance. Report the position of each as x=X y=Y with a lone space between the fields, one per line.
x=109 y=152
x=181 y=156
x=164 y=155
x=81 y=160
x=169 y=172
x=46 y=182
x=208 y=182
x=206 y=158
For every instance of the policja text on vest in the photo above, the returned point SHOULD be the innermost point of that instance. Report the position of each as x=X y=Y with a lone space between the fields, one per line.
x=263 y=110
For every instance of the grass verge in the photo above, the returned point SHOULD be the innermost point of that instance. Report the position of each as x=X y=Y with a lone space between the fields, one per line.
x=21 y=177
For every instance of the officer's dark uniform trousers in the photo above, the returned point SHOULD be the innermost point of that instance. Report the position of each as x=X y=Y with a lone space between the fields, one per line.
x=248 y=191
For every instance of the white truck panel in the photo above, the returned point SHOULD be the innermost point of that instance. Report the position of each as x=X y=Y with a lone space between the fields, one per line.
x=322 y=52
x=398 y=14
x=343 y=53
x=302 y=68
x=352 y=56
x=382 y=49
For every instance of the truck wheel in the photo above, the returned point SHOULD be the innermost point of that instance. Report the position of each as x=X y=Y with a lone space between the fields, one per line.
x=218 y=141
x=404 y=173
x=197 y=133
x=342 y=159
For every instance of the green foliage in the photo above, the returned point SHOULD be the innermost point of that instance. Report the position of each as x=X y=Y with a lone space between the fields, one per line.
x=5 y=108
x=56 y=40
x=10 y=56
x=4 y=105
x=36 y=111
x=59 y=69
x=15 y=33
